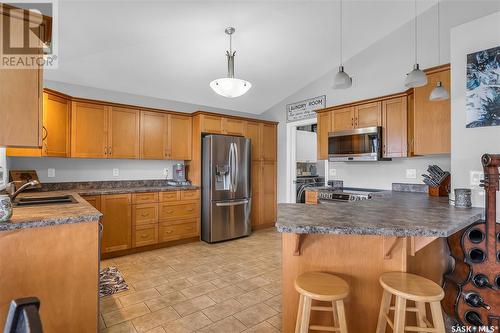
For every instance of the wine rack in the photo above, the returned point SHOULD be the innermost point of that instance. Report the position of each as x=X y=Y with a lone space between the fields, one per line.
x=472 y=288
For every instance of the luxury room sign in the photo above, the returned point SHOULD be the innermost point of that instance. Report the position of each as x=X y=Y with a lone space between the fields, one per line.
x=305 y=109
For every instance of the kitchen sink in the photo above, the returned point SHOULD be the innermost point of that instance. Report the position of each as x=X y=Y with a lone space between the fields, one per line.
x=31 y=201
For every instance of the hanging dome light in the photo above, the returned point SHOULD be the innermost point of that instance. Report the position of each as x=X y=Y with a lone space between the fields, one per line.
x=439 y=93
x=230 y=86
x=341 y=80
x=416 y=78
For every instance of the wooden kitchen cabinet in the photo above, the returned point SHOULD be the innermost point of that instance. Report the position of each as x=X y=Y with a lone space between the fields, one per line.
x=231 y=126
x=269 y=200
x=179 y=136
x=342 y=119
x=211 y=124
x=143 y=235
x=429 y=122
x=117 y=222
x=256 y=215
x=123 y=133
x=269 y=142
x=394 y=129
x=89 y=130
x=55 y=130
x=21 y=89
x=153 y=135
x=94 y=200
x=254 y=133
x=324 y=126
x=368 y=115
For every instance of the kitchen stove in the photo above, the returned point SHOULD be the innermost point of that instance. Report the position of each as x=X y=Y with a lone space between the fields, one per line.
x=344 y=194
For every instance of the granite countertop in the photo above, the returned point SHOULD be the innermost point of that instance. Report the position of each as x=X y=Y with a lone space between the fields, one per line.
x=387 y=214
x=142 y=189
x=51 y=214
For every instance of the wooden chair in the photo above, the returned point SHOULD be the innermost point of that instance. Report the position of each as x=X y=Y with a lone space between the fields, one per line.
x=406 y=286
x=321 y=287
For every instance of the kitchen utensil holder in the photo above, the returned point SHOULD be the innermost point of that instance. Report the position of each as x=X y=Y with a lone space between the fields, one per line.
x=442 y=190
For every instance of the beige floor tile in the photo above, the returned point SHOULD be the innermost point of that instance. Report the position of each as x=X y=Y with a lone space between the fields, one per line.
x=139 y=296
x=101 y=323
x=125 y=327
x=164 y=301
x=193 y=305
x=255 y=314
x=198 y=290
x=276 y=321
x=174 y=284
x=155 y=319
x=108 y=304
x=227 y=325
x=190 y=323
x=124 y=314
x=158 y=329
x=223 y=310
x=150 y=283
x=254 y=297
x=275 y=303
x=222 y=294
x=253 y=283
x=263 y=327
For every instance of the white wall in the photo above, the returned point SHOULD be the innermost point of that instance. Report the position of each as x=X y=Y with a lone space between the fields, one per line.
x=83 y=169
x=380 y=70
x=3 y=169
x=305 y=149
x=468 y=144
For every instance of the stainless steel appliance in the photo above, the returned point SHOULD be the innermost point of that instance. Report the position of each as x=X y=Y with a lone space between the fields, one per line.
x=179 y=172
x=226 y=188
x=347 y=194
x=360 y=144
x=305 y=182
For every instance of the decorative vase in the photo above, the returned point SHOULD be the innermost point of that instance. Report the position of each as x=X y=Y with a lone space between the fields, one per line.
x=5 y=208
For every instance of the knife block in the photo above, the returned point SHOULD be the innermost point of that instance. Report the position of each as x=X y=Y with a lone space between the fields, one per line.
x=443 y=190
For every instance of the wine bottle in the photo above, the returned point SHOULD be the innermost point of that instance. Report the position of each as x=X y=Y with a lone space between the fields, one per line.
x=474 y=300
x=473 y=318
x=481 y=281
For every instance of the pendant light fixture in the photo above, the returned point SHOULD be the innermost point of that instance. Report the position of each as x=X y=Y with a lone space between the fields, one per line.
x=416 y=78
x=341 y=79
x=439 y=93
x=230 y=86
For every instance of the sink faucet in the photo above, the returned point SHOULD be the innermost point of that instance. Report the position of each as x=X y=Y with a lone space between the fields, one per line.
x=11 y=188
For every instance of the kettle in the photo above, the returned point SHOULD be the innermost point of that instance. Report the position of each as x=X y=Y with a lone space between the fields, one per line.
x=179 y=173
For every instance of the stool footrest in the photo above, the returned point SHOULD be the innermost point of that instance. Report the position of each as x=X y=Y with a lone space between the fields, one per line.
x=420 y=329
x=324 y=328
x=389 y=321
x=409 y=309
x=321 y=308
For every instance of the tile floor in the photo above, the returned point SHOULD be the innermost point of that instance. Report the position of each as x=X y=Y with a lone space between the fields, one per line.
x=227 y=287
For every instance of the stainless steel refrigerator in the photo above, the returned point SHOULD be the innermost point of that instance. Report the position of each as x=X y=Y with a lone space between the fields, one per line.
x=226 y=188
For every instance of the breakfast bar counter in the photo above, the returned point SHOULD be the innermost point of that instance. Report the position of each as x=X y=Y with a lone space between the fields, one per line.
x=360 y=240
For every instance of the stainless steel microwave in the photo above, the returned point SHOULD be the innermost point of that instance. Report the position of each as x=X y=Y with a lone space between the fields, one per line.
x=360 y=144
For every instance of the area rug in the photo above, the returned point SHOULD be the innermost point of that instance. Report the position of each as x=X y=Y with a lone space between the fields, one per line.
x=111 y=281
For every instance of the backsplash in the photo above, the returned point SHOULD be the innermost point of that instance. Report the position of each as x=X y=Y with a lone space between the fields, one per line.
x=381 y=175
x=83 y=169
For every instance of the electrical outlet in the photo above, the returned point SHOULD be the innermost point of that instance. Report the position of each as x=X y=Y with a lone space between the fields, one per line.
x=51 y=172
x=475 y=177
x=333 y=172
x=411 y=173
x=165 y=172
x=116 y=172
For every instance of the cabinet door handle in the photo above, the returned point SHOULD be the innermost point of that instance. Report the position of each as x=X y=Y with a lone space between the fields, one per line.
x=46 y=133
x=105 y=150
x=190 y=209
x=169 y=211
x=110 y=150
x=352 y=122
x=144 y=236
x=144 y=214
x=169 y=231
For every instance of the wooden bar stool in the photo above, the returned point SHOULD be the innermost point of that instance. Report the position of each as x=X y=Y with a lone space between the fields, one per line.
x=321 y=287
x=406 y=286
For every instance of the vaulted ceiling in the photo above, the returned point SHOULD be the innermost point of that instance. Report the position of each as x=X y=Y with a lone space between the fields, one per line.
x=172 y=50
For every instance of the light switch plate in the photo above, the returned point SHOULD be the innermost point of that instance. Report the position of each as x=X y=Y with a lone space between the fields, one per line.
x=333 y=172
x=165 y=172
x=411 y=173
x=475 y=177
x=51 y=172
x=116 y=172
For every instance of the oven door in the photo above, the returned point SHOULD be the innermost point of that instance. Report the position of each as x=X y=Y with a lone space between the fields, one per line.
x=360 y=144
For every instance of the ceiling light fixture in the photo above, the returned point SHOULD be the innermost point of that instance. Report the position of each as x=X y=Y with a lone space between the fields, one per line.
x=230 y=86
x=439 y=93
x=416 y=78
x=341 y=79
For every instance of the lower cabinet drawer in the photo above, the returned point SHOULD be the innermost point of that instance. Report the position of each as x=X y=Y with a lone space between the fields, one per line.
x=177 y=211
x=169 y=196
x=145 y=214
x=179 y=231
x=145 y=235
x=190 y=195
x=142 y=198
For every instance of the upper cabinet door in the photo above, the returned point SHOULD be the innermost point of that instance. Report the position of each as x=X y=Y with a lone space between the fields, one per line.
x=368 y=115
x=232 y=126
x=342 y=119
x=211 y=124
x=324 y=127
x=153 y=135
x=432 y=119
x=269 y=142
x=254 y=133
x=179 y=137
x=56 y=126
x=394 y=127
x=89 y=124
x=123 y=133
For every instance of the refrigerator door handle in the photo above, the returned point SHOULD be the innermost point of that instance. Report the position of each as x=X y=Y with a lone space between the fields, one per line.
x=231 y=167
x=232 y=203
x=237 y=170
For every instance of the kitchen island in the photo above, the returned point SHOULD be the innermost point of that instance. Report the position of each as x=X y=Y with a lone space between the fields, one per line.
x=394 y=231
